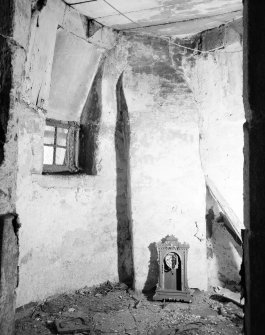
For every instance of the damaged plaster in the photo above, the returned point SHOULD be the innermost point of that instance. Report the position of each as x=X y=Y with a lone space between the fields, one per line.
x=216 y=81
x=146 y=175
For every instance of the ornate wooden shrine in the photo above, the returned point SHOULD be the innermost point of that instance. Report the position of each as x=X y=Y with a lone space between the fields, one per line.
x=172 y=259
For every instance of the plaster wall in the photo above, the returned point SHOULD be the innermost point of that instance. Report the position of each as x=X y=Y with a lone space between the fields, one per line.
x=69 y=225
x=224 y=250
x=167 y=183
x=68 y=234
x=224 y=258
x=13 y=47
x=216 y=80
x=14 y=33
x=75 y=63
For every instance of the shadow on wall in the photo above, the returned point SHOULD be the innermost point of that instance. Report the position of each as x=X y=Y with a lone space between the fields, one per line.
x=5 y=80
x=90 y=123
x=153 y=270
x=224 y=250
x=123 y=197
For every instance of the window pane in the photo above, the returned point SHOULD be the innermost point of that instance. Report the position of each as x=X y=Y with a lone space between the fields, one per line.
x=60 y=155
x=49 y=135
x=48 y=155
x=61 y=136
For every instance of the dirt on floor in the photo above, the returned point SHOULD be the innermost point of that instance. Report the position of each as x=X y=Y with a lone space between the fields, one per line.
x=112 y=308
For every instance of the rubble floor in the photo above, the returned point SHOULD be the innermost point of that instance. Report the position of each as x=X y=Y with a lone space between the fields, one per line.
x=114 y=309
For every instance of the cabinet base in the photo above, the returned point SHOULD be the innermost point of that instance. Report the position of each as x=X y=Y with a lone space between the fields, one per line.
x=172 y=295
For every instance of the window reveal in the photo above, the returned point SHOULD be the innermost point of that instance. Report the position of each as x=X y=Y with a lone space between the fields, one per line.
x=61 y=146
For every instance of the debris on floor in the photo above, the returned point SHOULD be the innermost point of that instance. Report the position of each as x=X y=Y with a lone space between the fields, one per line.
x=72 y=325
x=112 y=308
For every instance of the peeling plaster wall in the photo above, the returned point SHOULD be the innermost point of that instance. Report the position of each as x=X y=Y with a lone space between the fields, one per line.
x=14 y=34
x=69 y=226
x=224 y=250
x=13 y=48
x=224 y=258
x=167 y=183
x=69 y=223
x=216 y=81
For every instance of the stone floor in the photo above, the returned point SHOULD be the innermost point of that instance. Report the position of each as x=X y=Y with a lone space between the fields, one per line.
x=113 y=309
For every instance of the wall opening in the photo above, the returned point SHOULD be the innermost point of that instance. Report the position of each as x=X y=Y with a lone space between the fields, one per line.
x=123 y=197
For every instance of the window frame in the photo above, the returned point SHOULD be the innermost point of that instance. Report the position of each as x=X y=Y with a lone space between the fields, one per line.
x=71 y=156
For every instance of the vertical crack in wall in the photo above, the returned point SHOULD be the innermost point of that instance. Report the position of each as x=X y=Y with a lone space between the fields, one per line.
x=123 y=197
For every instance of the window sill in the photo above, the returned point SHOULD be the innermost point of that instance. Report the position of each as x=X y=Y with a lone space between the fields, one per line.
x=63 y=180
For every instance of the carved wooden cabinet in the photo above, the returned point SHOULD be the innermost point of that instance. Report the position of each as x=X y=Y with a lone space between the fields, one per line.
x=172 y=259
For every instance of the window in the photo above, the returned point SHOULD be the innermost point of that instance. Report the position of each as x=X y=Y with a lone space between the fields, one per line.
x=61 y=147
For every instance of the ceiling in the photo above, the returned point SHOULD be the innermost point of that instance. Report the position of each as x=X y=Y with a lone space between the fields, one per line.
x=160 y=17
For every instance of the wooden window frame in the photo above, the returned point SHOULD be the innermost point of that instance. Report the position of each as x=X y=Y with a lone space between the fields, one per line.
x=71 y=148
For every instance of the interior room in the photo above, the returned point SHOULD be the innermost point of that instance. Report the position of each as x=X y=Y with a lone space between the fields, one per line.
x=131 y=167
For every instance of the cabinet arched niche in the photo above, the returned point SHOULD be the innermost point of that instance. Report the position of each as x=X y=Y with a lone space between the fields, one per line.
x=172 y=259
